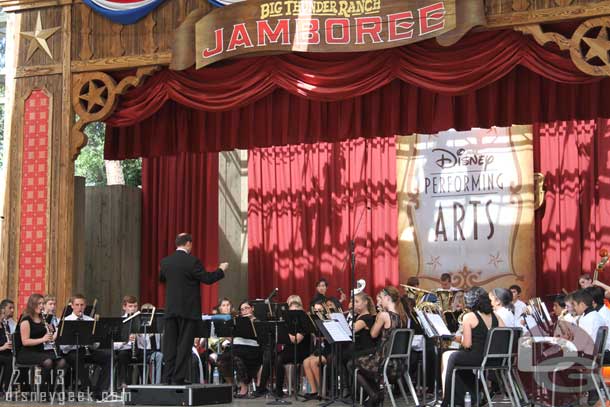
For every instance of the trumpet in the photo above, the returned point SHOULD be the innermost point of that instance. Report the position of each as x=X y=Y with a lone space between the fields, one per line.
x=50 y=331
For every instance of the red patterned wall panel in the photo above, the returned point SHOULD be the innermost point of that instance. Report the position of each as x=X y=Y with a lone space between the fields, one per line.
x=34 y=196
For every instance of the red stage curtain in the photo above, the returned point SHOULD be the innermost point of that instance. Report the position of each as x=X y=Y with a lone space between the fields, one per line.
x=574 y=222
x=396 y=108
x=179 y=194
x=487 y=78
x=304 y=203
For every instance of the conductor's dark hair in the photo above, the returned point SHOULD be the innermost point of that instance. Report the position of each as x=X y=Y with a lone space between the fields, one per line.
x=583 y=296
x=183 y=238
x=597 y=293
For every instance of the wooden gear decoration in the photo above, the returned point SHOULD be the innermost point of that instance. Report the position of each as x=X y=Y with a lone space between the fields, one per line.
x=95 y=95
x=589 y=45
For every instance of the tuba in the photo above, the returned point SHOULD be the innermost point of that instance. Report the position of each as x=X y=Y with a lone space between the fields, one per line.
x=416 y=294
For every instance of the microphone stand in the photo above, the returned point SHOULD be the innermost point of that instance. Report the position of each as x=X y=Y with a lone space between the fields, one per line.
x=352 y=254
x=352 y=250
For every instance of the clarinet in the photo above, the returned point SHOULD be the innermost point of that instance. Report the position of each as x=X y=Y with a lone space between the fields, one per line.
x=7 y=331
x=49 y=331
x=133 y=349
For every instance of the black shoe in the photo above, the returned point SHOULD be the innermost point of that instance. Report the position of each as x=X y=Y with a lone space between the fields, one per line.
x=279 y=394
x=310 y=396
x=260 y=392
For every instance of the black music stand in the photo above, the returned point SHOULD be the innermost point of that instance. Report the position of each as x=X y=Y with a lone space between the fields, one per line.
x=76 y=333
x=272 y=333
x=107 y=332
x=262 y=310
x=335 y=335
x=298 y=322
x=146 y=323
x=435 y=334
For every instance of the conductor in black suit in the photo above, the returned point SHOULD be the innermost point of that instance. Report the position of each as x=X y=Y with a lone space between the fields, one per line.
x=182 y=274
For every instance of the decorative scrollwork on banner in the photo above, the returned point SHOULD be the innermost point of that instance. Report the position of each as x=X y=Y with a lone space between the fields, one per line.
x=589 y=45
x=94 y=98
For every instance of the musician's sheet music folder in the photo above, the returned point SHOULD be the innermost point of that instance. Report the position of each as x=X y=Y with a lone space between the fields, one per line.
x=340 y=319
x=433 y=325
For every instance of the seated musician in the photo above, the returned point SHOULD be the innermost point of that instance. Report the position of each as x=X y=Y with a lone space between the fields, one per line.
x=476 y=325
x=585 y=280
x=320 y=295
x=311 y=365
x=6 y=353
x=7 y=307
x=131 y=350
x=286 y=356
x=33 y=334
x=391 y=317
x=519 y=305
x=100 y=357
x=364 y=343
x=208 y=349
x=245 y=357
x=446 y=282
x=502 y=303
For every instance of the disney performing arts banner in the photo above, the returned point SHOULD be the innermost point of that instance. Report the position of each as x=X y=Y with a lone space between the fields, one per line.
x=466 y=207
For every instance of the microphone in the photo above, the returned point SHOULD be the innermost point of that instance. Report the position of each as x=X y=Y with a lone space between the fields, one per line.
x=273 y=294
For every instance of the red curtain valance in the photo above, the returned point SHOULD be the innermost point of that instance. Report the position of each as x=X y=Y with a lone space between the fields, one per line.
x=487 y=78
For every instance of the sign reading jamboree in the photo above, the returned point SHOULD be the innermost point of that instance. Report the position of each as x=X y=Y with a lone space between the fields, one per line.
x=318 y=26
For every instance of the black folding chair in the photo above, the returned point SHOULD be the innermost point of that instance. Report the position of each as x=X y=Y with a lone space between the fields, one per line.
x=497 y=357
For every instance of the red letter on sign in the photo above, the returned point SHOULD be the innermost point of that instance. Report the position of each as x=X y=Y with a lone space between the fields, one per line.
x=307 y=31
x=373 y=31
x=396 y=21
x=239 y=37
x=330 y=35
x=428 y=14
x=208 y=52
x=264 y=31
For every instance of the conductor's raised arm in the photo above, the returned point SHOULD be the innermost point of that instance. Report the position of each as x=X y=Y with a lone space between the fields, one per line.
x=209 y=277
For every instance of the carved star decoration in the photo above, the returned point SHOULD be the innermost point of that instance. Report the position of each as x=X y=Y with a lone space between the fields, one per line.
x=94 y=97
x=599 y=46
x=38 y=38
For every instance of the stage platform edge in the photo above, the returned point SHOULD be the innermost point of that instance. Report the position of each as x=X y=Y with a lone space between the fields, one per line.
x=172 y=395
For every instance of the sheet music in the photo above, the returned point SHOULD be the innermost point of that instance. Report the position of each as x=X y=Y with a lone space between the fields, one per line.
x=546 y=312
x=428 y=329
x=340 y=318
x=336 y=332
x=439 y=325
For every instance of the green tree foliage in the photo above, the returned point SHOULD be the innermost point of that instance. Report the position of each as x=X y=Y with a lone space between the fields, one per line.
x=90 y=162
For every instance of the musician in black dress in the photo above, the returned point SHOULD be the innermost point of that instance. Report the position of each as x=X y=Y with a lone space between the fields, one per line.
x=245 y=356
x=311 y=365
x=33 y=334
x=364 y=344
x=392 y=316
x=286 y=356
x=476 y=325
